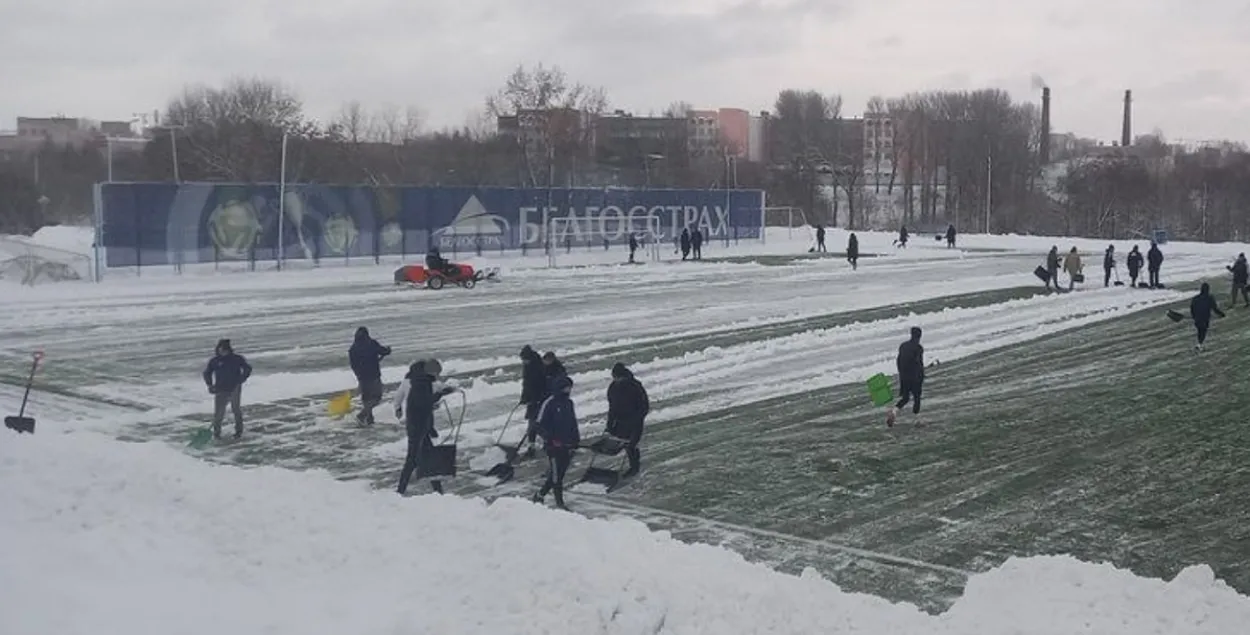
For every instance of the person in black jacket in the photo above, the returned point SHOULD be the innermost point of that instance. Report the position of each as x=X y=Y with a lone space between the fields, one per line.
x=950 y=236
x=225 y=375
x=1200 y=308
x=1134 y=264
x=910 y=375
x=696 y=244
x=633 y=245
x=1154 y=262
x=365 y=357
x=534 y=391
x=558 y=424
x=1240 y=280
x=852 y=251
x=684 y=241
x=628 y=406
x=1108 y=265
x=418 y=416
x=820 y=239
x=554 y=369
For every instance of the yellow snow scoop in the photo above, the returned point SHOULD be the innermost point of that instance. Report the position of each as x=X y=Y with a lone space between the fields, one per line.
x=341 y=405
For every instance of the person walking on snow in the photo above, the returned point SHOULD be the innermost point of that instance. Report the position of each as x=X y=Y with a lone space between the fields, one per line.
x=950 y=236
x=1200 y=308
x=1108 y=265
x=902 y=237
x=1072 y=266
x=696 y=243
x=225 y=375
x=820 y=239
x=1134 y=264
x=633 y=246
x=1240 y=280
x=557 y=422
x=366 y=356
x=1154 y=262
x=628 y=406
x=1052 y=267
x=685 y=243
x=852 y=251
x=534 y=390
x=420 y=397
x=910 y=376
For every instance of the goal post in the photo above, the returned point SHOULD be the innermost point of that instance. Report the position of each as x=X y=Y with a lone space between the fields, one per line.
x=788 y=217
x=563 y=234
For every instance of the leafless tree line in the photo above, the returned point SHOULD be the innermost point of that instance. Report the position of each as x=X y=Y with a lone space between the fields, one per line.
x=953 y=157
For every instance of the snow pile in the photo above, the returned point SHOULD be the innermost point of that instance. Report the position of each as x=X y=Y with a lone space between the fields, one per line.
x=103 y=537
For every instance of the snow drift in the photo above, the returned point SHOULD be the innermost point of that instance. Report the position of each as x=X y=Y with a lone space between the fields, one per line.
x=100 y=536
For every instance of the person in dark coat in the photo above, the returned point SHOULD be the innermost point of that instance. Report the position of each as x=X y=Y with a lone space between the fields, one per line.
x=225 y=375
x=557 y=422
x=1108 y=265
x=434 y=261
x=1052 y=267
x=696 y=243
x=820 y=239
x=628 y=406
x=1134 y=264
x=852 y=251
x=554 y=369
x=366 y=356
x=534 y=390
x=633 y=246
x=1200 y=308
x=685 y=243
x=1154 y=262
x=902 y=237
x=418 y=415
x=910 y=375
x=950 y=236
x=1240 y=280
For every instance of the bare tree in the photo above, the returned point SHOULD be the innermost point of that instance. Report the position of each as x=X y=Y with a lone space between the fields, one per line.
x=551 y=120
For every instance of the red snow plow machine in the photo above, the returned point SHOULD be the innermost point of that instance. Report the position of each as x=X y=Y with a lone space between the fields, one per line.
x=461 y=275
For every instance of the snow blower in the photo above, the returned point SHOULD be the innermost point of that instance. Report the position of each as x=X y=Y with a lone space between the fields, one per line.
x=21 y=423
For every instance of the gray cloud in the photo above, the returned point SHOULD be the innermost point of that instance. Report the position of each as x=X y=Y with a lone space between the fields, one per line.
x=107 y=60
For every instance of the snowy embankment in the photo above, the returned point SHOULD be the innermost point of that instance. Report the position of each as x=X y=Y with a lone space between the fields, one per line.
x=105 y=537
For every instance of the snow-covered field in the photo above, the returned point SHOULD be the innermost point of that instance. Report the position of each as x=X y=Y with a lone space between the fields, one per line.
x=290 y=552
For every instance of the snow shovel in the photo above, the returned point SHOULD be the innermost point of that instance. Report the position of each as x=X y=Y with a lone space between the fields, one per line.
x=606 y=445
x=1118 y=282
x=21 y=423
x=1176 y=316
x=504 y=471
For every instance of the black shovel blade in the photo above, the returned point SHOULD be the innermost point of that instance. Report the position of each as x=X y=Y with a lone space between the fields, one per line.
x=20 y=424
x=1175 y=316
x=1118 y=283
x=503 y=471
x=601 y=476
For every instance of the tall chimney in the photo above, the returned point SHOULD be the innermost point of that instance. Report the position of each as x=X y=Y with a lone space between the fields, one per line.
x=1044 y=143
x=1126 y=133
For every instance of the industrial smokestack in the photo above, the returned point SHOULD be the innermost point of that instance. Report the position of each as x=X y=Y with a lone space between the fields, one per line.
x=1044 y=144
x=1126 y=133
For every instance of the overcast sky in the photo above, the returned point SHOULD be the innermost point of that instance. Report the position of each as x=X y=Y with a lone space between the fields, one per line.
x=1186 y=61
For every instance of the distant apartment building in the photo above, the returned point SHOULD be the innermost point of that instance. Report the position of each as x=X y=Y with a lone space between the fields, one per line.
x=878 y=148
x=561 y=125
x=624 y=140
x=33 y=132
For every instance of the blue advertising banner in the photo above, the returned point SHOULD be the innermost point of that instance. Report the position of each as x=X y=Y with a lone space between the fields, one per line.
x=183 y=223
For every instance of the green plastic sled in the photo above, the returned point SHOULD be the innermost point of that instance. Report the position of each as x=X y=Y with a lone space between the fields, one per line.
x=880 y=390
x=200 y=438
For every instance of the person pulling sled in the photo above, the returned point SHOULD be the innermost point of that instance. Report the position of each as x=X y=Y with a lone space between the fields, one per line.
x=1200 y=308
x=419 y=396
x=628 y=407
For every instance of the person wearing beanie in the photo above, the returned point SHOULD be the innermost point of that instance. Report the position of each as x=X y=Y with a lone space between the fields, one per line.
x=910 y=376
x=365 y=357
x=628 y=406
x=420 y=399
x=225 y=375
x=534 y=391
x=557 y=423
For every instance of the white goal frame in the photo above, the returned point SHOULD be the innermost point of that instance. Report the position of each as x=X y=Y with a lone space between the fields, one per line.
x=650 y=235
x=39 y=263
